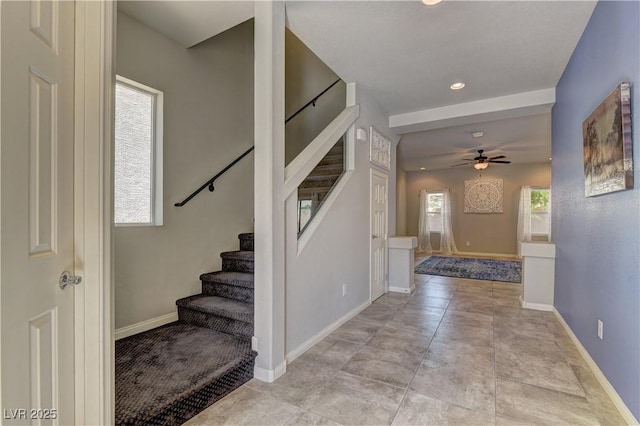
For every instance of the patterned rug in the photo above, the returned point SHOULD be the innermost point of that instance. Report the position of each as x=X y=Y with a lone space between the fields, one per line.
x=478 y=269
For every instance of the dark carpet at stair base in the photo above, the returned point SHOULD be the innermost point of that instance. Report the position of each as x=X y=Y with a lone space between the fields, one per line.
x=181 y=368
x=167 y=375
x=477 y=269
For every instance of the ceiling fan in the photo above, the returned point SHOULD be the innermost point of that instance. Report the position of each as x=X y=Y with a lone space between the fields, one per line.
x=481 y=162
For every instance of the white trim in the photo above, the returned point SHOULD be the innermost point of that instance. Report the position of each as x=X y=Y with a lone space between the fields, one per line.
x=401 y=289
x=143 y=326
x=94 y=83
x=157 y=146
x=322 y=212
x=536 y=306
x=472 y=253
x=312 y=341
x=626 y=414
x=270 y=376
x=380 y=173
x=501 y=107
x=350 y=150
x=298 y=170
x=269 y=197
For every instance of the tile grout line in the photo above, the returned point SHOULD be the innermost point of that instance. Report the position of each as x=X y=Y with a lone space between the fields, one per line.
x=404 y=395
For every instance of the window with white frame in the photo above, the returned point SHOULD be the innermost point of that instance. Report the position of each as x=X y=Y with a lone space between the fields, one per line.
x=434 y=211
x=540 y=218
x=138 y=154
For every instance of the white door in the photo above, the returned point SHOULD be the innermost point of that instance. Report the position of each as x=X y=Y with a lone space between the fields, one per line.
x=378 y=262
x=37 y=134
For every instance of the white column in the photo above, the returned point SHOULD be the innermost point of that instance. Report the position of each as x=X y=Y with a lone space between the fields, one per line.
x=269 y=200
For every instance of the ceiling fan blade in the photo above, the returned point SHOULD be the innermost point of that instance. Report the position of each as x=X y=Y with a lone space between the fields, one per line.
x=498 y=157
x=501 y=162
x=461 y=164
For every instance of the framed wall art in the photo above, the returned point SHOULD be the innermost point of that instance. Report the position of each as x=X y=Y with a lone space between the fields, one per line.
x=483 y=196
x=379 y=149
x=608 y=148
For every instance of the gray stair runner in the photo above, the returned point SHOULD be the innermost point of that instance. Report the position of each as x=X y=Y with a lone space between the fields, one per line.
x=167 y=375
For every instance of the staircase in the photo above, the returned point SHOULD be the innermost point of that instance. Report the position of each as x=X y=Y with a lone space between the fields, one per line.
x=320 y=182
x=226 y=301
x=167 y=375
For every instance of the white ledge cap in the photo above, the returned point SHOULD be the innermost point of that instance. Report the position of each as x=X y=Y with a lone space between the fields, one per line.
x=537 y=249
x=403 y=242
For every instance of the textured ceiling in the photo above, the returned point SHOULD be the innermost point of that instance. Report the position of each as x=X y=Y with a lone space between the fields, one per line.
x=522 y=140
x=189 y=22
x=405 y=55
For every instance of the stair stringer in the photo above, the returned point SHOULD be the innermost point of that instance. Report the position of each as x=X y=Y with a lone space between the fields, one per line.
x=297 y=171
x=308 y=159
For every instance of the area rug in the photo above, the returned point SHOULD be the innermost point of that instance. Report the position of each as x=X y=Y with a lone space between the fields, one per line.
x=478 y=269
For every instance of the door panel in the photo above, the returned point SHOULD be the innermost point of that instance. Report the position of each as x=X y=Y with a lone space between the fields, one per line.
x=378 y=272
x=37 y=77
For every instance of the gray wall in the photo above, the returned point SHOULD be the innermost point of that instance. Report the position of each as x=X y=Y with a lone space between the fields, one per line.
x=338 y=252
x=208 y=121
x=486 y=233
x=598 y=238
x=305 y=77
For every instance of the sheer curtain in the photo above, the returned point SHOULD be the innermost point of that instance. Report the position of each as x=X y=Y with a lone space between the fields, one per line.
x=524 y=214
x=447 y=242
x=424 y=234
x=549 y=215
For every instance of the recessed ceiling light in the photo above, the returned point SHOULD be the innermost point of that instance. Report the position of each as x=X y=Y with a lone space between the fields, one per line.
x=457 y=86
x=422 y=168
x=549 y=158
x=476 y=134
x=431 y=2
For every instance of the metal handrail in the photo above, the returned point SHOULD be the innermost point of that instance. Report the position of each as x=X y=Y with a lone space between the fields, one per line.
x=311 y=102
x=209 y=183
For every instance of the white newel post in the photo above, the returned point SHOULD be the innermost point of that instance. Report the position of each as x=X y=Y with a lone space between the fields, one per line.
x=538 y=269
x=269 y=207
x=402 y=264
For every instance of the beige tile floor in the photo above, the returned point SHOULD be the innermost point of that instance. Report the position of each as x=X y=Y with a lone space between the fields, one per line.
x=455 y=351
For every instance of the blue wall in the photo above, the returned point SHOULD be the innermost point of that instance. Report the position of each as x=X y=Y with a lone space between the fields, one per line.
x=598 y=238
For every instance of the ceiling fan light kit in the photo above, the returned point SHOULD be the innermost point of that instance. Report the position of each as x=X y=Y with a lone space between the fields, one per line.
x=481 y=162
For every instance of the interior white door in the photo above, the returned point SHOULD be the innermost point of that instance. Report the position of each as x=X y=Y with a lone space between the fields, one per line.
x=37 y=134
x=378 y=274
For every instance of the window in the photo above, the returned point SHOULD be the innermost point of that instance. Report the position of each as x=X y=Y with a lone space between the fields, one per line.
x=540 y=220
x=138 y=154
x=305 y=209
x=434 y=211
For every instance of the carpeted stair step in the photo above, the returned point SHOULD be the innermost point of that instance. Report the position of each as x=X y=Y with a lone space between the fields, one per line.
x=169 y=374
x=322 y=177
x=322 y=182
x=217 y=313
x=246 y=241
x=305 y=193
x=237 y=261
x=232 y=285
x=332 y=159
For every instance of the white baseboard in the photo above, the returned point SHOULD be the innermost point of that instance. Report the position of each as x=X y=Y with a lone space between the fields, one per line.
x=602 y=379
x=401 y=289
x=536 y=306
x=295 y=353
x=478 y=254
x=269 y=376
x=130 y=330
